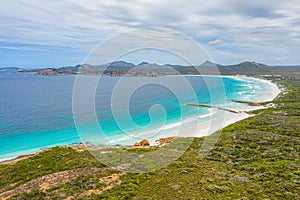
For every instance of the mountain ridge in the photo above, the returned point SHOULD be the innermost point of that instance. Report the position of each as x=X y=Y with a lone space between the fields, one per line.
x=123 y=67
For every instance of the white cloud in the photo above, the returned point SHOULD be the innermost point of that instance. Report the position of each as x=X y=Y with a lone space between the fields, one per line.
x=215 y=42
x=255 y=28
x=282 y=58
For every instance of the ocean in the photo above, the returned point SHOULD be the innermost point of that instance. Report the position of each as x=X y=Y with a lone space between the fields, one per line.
x=36 y=111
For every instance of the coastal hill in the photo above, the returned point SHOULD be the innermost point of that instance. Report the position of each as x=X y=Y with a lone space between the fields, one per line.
x=122 y=68
x=256 y=158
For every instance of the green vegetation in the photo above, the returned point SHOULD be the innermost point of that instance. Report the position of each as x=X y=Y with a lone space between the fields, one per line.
x=47 y=162
x=257 y=158
x=74 y=188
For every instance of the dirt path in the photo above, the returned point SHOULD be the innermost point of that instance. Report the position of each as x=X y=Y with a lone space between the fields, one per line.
x=52 y=180
x=111 y=181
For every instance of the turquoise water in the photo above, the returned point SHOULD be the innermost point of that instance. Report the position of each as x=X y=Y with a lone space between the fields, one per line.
x=36 y=111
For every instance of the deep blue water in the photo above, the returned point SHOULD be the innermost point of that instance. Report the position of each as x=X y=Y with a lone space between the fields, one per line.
x=36 y=111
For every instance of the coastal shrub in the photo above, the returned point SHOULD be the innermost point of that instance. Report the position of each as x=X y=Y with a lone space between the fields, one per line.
x=36 y=194
x=47 y=162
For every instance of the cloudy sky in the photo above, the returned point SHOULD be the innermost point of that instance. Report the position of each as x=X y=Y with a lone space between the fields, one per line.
x=57 y=33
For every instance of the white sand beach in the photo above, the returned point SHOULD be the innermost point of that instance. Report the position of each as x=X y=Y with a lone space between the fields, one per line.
x=190 y=127
x=271 y=93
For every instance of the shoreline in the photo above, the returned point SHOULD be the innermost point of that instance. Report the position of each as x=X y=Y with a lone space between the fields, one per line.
x=203 y=128
x=206 y=128
x=273 y=87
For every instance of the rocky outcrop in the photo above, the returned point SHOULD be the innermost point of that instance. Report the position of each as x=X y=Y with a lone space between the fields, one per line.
x=47 y=72
x=142 y=143
x=55 y=72
x=279 y=113
x=249 y=112
x=167 y=140
x=249 y=103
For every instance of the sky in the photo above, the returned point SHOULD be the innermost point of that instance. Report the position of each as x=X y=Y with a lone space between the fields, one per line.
x=46 y=33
